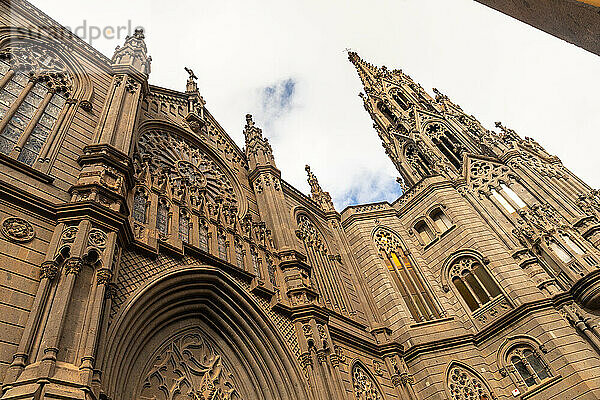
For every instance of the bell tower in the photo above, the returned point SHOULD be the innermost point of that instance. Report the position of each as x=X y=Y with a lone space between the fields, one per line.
x=421 y=134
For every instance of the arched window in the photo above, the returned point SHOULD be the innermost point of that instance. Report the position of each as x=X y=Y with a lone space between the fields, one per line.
x=416 y=159
x=140 y=201
x=222 y=244
x=34 y=88
x=324 y=268
x=513 y=196
x=239 y=253
x=406 y=278
x=162 y=218
x=441 y=220
x=389 y=115
x=473 y=282
x=184 y=226
x=400 y=99
x=203 y=234
x=365 y=387
x=559 y=251
x=446 y=143
x=424 y=232
x=464 y=384
x=572 y=245
x=528 y=366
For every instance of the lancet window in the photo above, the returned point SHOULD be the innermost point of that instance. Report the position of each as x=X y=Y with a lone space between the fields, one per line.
x=324 y=268
x=407 y=279
x=203 y=234
x=425 y=233
x=473 y=282
x=222 y=244
x=34 y=88
x=140 y=202
x=440 y=220
x=162 y=218
x=446 y=143
x=184 y=226
x=239 y=254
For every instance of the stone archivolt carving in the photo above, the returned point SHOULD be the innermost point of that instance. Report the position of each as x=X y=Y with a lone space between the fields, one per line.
x=364 y=386
x=188 y=170
x=464 y=385
x=17 y=229
x=189 y=368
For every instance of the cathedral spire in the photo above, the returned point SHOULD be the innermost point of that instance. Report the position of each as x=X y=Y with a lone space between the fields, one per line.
x=323 y=199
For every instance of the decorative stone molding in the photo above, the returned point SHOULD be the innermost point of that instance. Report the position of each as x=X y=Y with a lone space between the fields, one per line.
x=190 y=366
x=73 y=266
x=48 y=270
x=365 y=387
x=17 y=230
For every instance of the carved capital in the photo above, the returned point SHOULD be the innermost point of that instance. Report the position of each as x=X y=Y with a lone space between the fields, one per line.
x=73 y=266
x=48 y=270
x=103 y=276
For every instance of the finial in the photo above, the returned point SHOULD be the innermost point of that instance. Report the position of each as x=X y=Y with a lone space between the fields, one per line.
x=139 y=33
x=323 y=199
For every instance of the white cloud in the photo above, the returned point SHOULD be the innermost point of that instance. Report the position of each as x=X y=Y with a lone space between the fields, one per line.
x=493 y=66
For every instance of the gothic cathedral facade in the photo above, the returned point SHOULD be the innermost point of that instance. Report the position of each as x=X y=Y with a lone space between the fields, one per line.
x=144 y=255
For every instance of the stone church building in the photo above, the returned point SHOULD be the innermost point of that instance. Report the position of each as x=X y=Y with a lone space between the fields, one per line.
x=145 y=255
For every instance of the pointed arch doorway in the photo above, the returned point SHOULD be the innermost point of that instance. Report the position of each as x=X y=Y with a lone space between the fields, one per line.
x=194 y=333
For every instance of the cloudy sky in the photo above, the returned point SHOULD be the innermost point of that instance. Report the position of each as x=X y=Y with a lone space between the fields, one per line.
x=285 y=63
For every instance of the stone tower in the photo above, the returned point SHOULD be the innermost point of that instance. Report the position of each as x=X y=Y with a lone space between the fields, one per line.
x=145 y=255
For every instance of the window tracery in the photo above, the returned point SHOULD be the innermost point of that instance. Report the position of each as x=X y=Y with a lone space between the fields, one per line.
x=34 y=88
x=187 y=168
x=473 y=282
x=463 y=384
x=446 y=143
x=528 y=366
x=406 y=278
x=364 y=386
x=191 y=367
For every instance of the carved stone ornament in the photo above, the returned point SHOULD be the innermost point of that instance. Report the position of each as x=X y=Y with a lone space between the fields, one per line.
x=97 y=238
x=464 y=385
x=68 y=235
x=172 y=161
x=73 y=266
x=17 y=230
x=48 y=270
x=364 y=387
x=191 y=368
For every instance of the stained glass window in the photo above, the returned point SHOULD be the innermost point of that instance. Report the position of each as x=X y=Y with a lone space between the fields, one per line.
x=139 y=206
x=203 y=233
x=29 y=110
x=162 y=218
x=239 y=254
x=184 y=226
x=222 y=245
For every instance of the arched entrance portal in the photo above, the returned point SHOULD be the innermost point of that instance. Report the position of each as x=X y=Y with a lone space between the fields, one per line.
x=193 y=333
